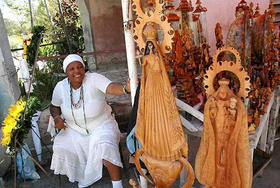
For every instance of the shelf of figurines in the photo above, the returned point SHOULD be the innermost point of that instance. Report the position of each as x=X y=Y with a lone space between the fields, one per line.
x=262 y=118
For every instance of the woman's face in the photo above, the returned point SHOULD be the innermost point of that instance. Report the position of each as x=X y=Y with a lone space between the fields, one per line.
x=75 y=72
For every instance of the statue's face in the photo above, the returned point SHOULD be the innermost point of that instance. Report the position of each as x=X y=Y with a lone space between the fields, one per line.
x=150 y=46
x=222 y=93
x=232 y=104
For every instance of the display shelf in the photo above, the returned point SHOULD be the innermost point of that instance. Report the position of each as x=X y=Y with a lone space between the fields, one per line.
x=261 y=130
x=276 y=4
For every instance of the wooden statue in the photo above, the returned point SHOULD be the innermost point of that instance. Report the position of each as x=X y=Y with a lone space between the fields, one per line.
x=219 y=35
x=223 y=159
x=159 y=130
x=257 y=11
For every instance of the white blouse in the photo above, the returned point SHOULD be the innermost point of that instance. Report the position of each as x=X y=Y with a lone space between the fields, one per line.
x=96 y=111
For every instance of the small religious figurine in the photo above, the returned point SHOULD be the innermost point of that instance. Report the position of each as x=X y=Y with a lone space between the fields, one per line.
x=252 y=128
x=232 y=107
x=219 y=35
x=257 y=118
x=149 y=6
x=158 y=128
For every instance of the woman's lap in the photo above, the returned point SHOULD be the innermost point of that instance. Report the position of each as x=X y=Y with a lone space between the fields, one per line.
x=82 y=155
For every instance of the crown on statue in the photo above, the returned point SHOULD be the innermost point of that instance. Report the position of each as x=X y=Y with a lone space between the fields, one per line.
x=223 y=82
x=150 y=31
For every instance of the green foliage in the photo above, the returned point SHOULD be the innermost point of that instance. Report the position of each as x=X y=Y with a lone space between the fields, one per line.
x=73 y=29
x=17 y=26
x=42 y=19
x=54 y=65
x=45 y=80
x=25 y=124
x=19 y=134
x=44 y=84
x=31 y=108
x=37 y=31
x=21 y=26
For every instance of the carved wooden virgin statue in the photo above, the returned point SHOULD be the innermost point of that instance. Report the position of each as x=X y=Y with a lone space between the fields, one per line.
x=159 y=126
x=223 y=159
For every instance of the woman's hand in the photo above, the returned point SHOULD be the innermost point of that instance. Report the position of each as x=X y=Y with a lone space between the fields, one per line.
x=118 y=89
x=59 y=123
x=56 y=112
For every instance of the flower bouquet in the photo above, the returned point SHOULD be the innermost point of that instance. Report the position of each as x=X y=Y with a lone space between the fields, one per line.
x=17 y=124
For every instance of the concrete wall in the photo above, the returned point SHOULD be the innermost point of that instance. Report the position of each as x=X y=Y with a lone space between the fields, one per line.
x=223 y=11
x=106 y=20
x=106 y=23
x=9 y=88
x=87 y=33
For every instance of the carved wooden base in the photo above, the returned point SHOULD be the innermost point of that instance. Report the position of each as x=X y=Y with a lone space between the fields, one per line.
x=164 y=173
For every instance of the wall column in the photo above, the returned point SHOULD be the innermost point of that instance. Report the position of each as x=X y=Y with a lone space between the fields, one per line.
x=88 y=37
x=130 y=46
x=9 y=87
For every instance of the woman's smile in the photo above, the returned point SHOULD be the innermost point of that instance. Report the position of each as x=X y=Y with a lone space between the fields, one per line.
x=76 y=73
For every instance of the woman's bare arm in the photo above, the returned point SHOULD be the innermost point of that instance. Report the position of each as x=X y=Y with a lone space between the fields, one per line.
x=117 y=89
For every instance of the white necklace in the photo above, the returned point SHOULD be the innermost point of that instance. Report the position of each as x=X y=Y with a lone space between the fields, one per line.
x=78 y=105
x=81 y=98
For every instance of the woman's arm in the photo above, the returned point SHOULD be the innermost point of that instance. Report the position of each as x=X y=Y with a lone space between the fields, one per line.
x=115 y=88
x=56 y=112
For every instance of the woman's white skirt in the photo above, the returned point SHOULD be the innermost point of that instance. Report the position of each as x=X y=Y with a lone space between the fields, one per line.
x=80 y=157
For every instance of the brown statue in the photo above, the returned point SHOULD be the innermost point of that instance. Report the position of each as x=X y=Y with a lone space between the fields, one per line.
x=159 y=126
x=219 y=35
x=223 y=159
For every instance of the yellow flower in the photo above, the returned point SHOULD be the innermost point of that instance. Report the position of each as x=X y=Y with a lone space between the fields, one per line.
x=7 y=130
x=20 y=104
x=9 y=121
x=15 y=112
x=5 y=141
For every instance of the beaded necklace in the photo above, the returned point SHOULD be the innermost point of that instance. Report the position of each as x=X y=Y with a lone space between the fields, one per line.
x=80 y=101
x=78 y=105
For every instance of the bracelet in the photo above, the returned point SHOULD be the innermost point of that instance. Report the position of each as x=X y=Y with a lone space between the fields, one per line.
x=124 y=90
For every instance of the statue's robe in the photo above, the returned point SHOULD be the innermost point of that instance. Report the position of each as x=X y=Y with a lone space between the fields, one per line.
x=159 y=127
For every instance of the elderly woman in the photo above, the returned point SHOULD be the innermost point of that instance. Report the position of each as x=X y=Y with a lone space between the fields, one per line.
x=89 y=134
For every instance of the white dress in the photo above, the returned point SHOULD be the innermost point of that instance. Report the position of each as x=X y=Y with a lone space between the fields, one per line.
x=76 y=153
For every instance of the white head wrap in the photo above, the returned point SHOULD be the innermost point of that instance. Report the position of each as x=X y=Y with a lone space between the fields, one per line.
x=71 y=58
